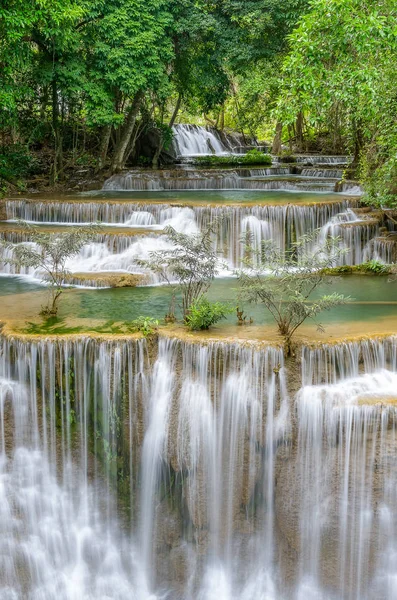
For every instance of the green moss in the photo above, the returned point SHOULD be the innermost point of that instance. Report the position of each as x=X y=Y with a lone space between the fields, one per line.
x=368 y=268
x=253 y=157
x=56 y=325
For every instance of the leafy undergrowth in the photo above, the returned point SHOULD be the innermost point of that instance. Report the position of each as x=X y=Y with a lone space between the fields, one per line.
x=253 y=157
x=371 y=267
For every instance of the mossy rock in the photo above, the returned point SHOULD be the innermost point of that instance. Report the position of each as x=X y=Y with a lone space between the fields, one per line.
x=370 y=268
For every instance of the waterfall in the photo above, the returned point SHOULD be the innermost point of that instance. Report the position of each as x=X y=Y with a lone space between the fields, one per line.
x=225 y=180
x=325 y=173
x=120 y=253
x=131 y=214
x=97 y=430
x=135 y=470
x=58 y=532
x=355 y=235
x=381 y=249
x=330 y=363
x=194 y=140
x=342 y=471
x=350 y=187
x=321 y=159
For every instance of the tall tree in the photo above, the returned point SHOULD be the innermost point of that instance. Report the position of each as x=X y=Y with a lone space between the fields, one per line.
x=341 y=71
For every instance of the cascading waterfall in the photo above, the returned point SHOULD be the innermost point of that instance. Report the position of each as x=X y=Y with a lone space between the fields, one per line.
x=342 y=473
x=324 y=173
x=119 y=253
x=194 y=140
x=129 y=214
x=59 y=536
x=225 y=180
x=350 y=187
x=113 y=440
x=381 y=249
x=355 y=235
x=98 y=257
x=322 y=159
x=331 y=363
x=188 y=471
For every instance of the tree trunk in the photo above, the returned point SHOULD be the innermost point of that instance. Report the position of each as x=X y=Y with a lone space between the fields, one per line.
x=276 y=147
x=58 y=158
x=155 y=161
x=299 y=131
x=120 y=152
x=222 y=119
x=104 y=145
x=358 y=143
x=176 y=111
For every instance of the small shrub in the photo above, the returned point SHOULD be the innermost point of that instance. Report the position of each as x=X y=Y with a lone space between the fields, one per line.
x=49 y=255
x=342 y=270
x=253 y=157
x=374 y=266
x=145 y=325
x=256 y=157
x=192 y=262
x=16 y=163
x=203 y=313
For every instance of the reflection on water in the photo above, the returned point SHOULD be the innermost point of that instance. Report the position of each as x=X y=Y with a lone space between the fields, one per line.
x=374 y=298
x=219 y=196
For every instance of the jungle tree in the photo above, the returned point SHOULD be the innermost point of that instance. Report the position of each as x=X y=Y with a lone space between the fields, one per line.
x=284 y=282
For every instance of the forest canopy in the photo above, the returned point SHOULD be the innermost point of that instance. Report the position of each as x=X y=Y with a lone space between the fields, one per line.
x=84 y=81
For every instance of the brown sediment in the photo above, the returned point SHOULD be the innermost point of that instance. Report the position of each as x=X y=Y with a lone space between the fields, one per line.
x=258 y=336
x=117 y=230
x=107 y=279
x=377 y=400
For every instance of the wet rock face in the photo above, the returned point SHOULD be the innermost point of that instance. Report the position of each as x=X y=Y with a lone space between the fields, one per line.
x=3 y=210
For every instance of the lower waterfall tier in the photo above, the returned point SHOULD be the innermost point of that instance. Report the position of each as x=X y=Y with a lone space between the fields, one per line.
x=152 y=469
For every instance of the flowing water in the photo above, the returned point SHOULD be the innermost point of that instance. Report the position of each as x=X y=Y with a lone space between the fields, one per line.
x=193 y=471
x=193 y=140
x=115 y=251
x=166 y=469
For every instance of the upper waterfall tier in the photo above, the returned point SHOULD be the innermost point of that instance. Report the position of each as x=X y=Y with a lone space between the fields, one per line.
x=277 y=177
x=145 y=214
x=194 y=140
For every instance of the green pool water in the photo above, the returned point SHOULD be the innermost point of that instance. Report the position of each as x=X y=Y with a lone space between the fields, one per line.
x=126 y=304
x=372 y=298
x=200 y=196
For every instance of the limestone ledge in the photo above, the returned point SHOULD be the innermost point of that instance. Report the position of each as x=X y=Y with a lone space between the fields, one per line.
x=107 y=279
x=353 y=201
x=179 y=333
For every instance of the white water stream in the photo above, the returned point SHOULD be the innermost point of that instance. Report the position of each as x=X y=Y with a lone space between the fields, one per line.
x=120 y=252
x=197 y=477
x=194 y=140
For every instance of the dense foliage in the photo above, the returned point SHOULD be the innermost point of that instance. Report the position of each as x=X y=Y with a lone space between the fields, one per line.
x=203 y=313
x=340 y=76
x=83 y=80
x=98 y=84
